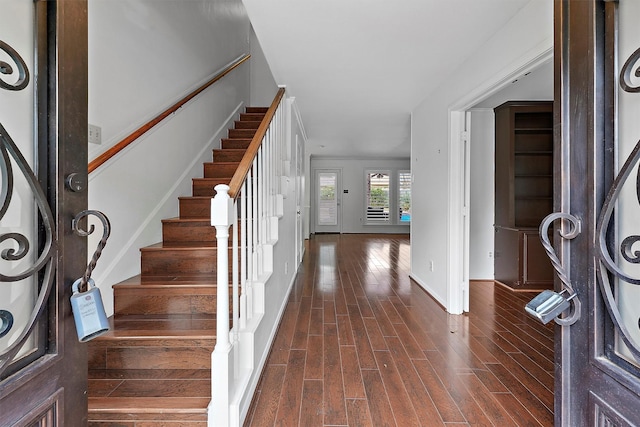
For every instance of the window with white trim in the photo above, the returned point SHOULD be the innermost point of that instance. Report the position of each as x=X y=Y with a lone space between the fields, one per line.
x=404 y=197
x=377 y=197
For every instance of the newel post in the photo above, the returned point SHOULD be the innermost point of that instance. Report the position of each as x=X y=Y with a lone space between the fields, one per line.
x=222 y=369
x=221 y=219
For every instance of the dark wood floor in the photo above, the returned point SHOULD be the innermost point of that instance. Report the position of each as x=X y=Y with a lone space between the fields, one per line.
x=362 y=345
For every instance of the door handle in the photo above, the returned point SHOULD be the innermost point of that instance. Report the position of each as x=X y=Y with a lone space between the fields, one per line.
x=549 y=305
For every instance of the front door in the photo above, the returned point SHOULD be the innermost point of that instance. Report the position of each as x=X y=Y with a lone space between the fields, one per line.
x=43 y=141
x=328 y=191
x=598 y=192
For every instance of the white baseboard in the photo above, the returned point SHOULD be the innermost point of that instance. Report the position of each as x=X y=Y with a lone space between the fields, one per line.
x=429 y=290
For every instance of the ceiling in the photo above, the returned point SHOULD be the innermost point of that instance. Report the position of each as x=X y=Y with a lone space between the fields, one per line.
x=357 y=68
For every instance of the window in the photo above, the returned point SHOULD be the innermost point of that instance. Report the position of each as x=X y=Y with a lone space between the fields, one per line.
x=404 y=196
x=377 y=197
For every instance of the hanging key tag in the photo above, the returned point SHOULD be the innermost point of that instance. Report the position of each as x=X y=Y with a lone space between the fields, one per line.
x=86 y=304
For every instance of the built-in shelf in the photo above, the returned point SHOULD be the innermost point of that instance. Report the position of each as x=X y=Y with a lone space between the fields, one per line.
x=534 y=153
x=524 y=192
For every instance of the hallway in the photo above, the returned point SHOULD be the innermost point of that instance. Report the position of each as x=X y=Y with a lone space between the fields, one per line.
x=362 y=345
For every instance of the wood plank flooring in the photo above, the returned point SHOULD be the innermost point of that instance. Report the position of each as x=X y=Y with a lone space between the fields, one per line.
x=360 y=344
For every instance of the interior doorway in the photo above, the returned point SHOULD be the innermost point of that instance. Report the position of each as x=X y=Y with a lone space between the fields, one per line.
x=474 y=117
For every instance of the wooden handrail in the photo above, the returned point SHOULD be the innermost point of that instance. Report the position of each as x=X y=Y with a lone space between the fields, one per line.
x=243 y=168
x=104 y=157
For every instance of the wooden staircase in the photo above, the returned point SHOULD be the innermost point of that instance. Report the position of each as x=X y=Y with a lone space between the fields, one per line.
x=154 y=366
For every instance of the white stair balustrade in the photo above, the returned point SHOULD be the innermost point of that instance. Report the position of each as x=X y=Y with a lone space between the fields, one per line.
x=251 y=212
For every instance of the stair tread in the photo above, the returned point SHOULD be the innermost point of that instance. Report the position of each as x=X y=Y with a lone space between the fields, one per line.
x=195 y=197
x=158 y=326
x=168 y=285
x=223 y=179
x=185 y=246
x=212 y=181
x=149 y=404
x=190 y=221
x=223 y=163
x=195 y=279
x=149 y=374
x=156 y=332
x=150 y=387
x=236 y=140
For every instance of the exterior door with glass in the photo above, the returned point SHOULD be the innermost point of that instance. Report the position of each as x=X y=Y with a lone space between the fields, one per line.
x=597 y=196
x=328 y=212
x=43 y=140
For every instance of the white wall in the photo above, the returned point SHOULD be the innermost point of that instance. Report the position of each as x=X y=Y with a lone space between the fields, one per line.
x=353 y=180
x=145 y=55
x=526 y=37
x=263 y=85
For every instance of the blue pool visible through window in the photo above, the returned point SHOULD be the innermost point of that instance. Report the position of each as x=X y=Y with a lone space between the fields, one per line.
x=404 y=196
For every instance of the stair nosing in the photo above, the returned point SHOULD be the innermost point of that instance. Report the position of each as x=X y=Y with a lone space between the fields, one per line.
x=152 y=404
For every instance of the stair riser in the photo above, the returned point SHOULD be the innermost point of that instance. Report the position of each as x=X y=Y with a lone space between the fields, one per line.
x=195 y=208
x=168 y=262
x=187 y=232
x=251 y=117
x=258 y=110
x=154 y=305
x=241 y=133
x=247 y=124
x=161 y=301
x=226 y=155
x=220 y=170
x=237 y=144
x=206 y=187
x=180 y=232
x=194 y=354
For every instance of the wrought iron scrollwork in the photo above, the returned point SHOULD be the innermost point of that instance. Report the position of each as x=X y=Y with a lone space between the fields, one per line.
x=44 y=263
x=563 y=275
x=43 y=268
x=627 y=69
x=106 y=231
x=606 y=263
x=607 y=266
x=6 y=69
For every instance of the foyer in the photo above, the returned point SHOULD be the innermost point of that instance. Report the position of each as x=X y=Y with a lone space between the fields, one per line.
x=360 y=344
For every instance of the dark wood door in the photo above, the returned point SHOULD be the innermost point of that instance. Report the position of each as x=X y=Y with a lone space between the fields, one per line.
x=43 y=379
x=597 y=345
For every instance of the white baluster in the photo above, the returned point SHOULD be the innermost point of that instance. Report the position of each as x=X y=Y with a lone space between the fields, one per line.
x=243 y=253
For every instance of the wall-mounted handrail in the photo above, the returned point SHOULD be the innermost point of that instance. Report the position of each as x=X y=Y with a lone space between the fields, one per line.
x=243 y=168
x=107 y=155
